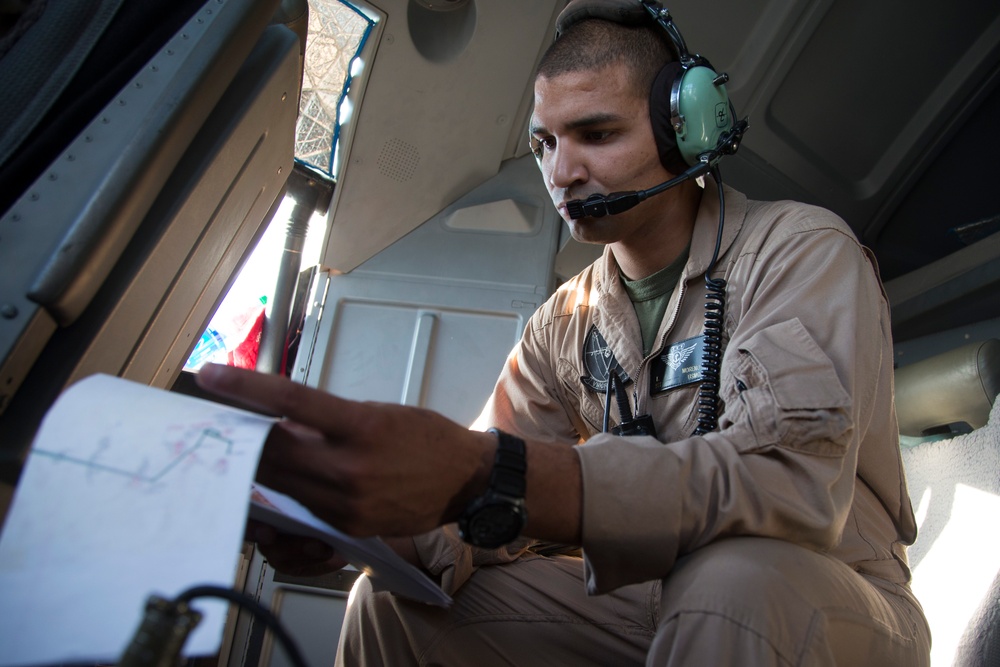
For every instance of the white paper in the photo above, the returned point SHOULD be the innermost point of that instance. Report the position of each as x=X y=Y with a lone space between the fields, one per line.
x=130 y=491
x=385 y=569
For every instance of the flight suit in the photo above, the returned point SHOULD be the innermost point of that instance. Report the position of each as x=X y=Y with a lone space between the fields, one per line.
x=779 y=538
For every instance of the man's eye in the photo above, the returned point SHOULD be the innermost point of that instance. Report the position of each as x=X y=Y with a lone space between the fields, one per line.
x=597 y=136
x=539 y=146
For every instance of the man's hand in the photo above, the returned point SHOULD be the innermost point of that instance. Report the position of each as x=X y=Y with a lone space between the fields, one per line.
x=366 y=468
x=297 y=556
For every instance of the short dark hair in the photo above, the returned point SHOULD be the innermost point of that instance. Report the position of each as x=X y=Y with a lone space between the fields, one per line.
x=593 y=44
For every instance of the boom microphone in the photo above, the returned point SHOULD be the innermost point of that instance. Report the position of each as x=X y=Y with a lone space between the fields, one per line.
x=598 y=205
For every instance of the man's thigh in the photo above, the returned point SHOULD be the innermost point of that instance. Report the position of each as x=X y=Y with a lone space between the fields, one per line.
x=534 y=611
x=757 y=601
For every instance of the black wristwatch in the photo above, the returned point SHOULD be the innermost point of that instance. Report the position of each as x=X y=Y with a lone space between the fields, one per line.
x=498 y=516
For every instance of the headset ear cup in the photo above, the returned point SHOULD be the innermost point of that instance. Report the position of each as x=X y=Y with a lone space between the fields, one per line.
x=701 y=109
x=659 y=117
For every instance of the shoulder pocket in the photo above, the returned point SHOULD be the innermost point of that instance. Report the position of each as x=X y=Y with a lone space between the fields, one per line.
x=789 y=391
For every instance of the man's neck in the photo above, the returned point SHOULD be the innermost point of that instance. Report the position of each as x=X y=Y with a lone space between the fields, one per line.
x=645 y=253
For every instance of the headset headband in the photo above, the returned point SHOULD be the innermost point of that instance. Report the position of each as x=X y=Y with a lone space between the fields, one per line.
x=628 y=12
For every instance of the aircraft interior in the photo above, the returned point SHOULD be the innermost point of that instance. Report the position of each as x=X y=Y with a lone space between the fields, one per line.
x=149 y=150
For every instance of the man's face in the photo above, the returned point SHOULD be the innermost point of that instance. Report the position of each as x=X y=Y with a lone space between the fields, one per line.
x=591 y=134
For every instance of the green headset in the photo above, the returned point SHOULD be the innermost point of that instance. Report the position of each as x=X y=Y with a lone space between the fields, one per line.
x=689 y=107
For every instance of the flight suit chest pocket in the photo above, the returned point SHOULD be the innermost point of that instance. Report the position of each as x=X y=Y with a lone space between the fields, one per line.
x=785 y=389
x=585 y=401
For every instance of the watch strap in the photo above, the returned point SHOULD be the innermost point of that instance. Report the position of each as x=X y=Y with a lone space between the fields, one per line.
x=509 y=465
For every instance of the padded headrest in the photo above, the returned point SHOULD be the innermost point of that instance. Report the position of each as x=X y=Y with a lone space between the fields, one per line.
x=957 y=386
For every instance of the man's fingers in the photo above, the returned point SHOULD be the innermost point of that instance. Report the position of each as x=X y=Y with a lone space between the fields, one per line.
x=258 y=532
x=289 y=548
x=301 y=454
x=277 y=395
x=341 y=459
x=302 y=556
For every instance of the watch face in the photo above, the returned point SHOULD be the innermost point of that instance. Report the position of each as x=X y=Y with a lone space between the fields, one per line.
x=494 y=525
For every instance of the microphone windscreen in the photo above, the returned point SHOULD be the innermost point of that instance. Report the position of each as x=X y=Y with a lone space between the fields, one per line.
x=575 y=208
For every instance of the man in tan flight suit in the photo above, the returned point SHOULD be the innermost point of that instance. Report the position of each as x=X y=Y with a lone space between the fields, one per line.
x=775 y=537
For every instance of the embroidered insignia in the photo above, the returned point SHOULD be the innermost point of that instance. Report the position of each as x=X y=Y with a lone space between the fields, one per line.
x=678 y=355
x=598 y=361
x=679 y=365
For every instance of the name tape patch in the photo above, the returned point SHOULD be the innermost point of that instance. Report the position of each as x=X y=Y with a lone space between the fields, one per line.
x=680 y=364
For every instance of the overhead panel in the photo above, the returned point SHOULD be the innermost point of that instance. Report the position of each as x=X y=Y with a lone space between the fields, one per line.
x=863 y=120
x=444 y=94
x=848 y=100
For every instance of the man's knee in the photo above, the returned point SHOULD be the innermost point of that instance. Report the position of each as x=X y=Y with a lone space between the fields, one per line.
x=751 y=581
x=779 y=602
x=751 y=569
x=372 y=631
x=364 y=603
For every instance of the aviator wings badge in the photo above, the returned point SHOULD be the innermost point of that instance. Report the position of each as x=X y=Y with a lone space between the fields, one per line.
x=676 y=356
x=680 y=364
x=598 y=361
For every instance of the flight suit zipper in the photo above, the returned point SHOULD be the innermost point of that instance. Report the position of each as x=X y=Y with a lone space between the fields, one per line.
x=641 y=379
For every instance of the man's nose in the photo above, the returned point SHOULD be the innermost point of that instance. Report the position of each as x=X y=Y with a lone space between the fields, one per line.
x=567 y=166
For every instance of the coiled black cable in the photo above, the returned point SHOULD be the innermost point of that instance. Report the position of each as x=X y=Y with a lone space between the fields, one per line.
x=715 y=307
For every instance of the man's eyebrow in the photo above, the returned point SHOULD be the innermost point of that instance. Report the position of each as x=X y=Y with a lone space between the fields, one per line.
x=585 y=121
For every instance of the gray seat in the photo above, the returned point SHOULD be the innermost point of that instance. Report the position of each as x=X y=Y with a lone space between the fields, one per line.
x=954 y=483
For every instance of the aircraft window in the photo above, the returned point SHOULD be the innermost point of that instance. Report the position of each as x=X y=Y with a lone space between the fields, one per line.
x=233 y=334
x=337 y=34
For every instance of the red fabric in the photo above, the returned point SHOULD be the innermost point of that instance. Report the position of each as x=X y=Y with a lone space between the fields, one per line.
x=244 y=355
